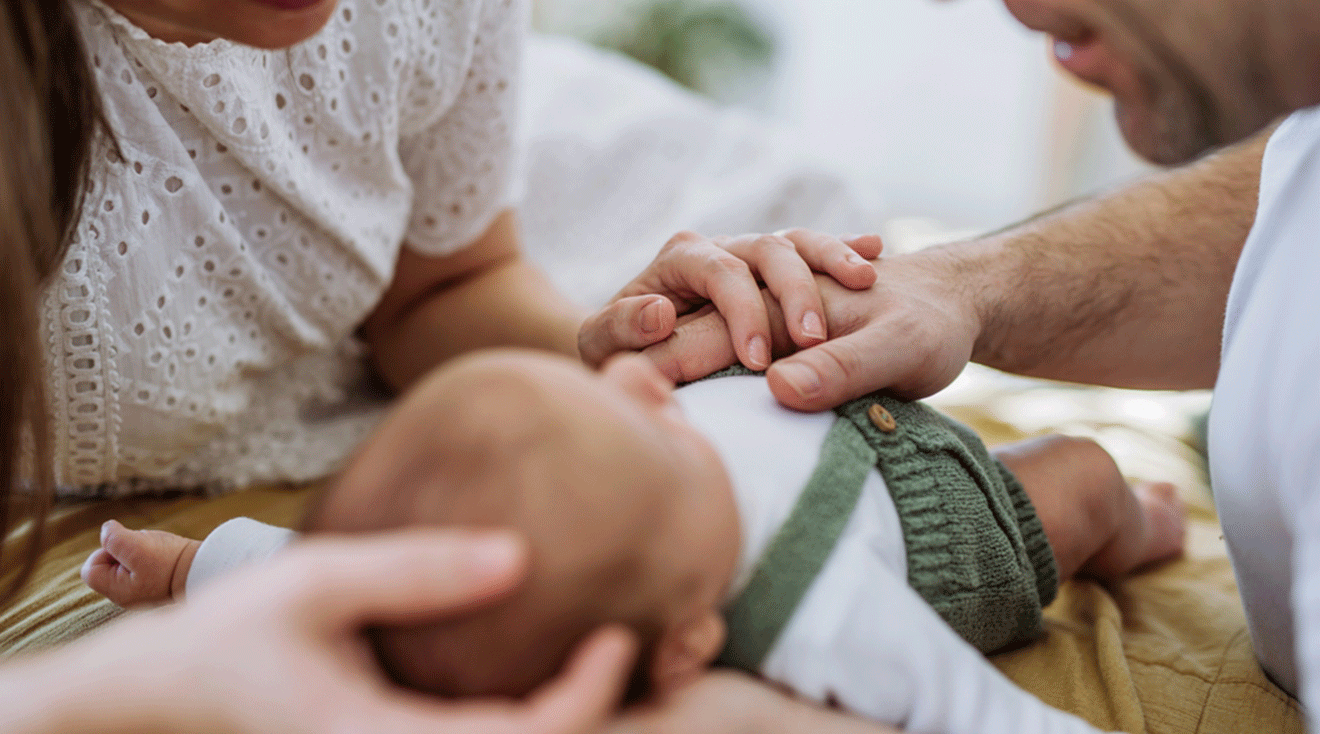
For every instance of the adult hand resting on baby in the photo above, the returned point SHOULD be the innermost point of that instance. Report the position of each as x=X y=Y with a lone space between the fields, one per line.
x=693 y=271
x=911 y=328
x=288 y=632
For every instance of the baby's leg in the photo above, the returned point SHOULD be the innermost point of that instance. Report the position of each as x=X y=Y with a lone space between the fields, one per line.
x=139 y=567
x=1095 y=522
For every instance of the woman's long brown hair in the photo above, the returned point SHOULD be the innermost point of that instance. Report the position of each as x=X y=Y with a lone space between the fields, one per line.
x=48 y=121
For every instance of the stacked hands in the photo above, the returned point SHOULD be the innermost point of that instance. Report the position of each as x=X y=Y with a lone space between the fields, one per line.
x=861 y=322
x=830 y=304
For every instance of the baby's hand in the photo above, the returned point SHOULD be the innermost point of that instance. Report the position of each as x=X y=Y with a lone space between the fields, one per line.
x=139 y=567
x=693 y=272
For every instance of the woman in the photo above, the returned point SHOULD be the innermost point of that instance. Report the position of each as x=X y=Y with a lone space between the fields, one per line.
x=283 y=655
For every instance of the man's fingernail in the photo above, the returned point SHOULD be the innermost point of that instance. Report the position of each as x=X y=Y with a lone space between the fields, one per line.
x=804 y=380
x=493 y=554
x=650 y=319
x=855 y=259
x=759 y=352
x=812 y=326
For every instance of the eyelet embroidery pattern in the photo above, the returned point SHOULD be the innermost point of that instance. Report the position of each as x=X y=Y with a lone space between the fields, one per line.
x=200 y=331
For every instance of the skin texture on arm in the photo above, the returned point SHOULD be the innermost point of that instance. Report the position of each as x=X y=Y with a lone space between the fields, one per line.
x=486 y=295
x=1126 y=290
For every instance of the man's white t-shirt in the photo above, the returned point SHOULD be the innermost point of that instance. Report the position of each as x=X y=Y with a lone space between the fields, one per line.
x=1265 y=424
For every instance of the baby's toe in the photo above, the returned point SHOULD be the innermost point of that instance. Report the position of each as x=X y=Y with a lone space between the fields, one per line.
x=1165 y=491
x=1166 y=516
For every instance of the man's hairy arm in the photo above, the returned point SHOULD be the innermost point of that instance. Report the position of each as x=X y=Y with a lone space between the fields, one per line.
x=1128 y=289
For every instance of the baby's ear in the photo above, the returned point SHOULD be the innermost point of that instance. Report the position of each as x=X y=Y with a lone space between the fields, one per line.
x=685 y=650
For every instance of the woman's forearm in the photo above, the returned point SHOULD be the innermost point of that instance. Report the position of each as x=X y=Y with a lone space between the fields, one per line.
x=511 y=304
x=487 y=295
x=1127 y=289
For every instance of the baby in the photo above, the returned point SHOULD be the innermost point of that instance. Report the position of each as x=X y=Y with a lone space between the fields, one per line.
x=851 y=555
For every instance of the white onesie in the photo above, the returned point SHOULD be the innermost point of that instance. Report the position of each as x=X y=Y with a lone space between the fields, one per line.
x=860 y=636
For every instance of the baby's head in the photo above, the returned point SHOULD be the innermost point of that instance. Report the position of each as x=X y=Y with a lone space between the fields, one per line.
x=626 y=509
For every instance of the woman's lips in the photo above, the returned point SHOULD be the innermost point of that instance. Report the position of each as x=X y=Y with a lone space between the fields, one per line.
x=289 y=4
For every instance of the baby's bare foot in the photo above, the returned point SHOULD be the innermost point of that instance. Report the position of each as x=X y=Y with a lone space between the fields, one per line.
x=139 y=567
x=1166 y=521
x=1153 y=531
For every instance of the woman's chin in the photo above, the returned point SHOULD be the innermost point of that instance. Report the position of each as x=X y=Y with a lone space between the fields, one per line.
x=282 y=24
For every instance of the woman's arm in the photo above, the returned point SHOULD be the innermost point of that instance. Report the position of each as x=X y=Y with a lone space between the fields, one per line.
x=485 y=295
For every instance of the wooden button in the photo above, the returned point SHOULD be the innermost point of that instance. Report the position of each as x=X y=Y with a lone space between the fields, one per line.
x=882 y=418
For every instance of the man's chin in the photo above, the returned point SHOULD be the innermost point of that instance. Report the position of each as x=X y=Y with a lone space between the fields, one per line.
x=1160 y=139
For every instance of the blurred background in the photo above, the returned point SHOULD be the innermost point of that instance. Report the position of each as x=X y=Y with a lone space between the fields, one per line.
x=946 y=116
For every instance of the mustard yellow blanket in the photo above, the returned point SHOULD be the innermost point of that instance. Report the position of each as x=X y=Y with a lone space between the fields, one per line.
x=1164 y=652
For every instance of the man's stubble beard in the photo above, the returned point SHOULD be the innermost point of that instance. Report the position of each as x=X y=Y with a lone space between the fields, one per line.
x=1178 y=130
x=1184 y=120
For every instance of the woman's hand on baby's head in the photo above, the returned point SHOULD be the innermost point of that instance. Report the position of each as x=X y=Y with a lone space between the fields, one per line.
x=693 y=272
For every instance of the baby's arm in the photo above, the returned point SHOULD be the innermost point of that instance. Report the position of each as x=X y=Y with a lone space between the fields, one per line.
x=147 y=567
x=134 y=568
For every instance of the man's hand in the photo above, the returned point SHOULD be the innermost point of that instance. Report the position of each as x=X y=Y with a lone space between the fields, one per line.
x=692 y=272
x=912 y=333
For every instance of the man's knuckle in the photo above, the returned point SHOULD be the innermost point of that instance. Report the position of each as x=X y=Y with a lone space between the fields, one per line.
x=797 y=293
x=681 y=239
x=846 y=358
x=690 y=366
x=617 y=320
x=726 y=264
x=590 y=328
x=738 y=241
